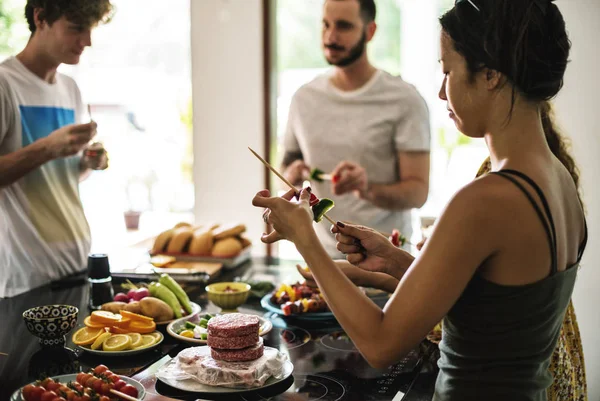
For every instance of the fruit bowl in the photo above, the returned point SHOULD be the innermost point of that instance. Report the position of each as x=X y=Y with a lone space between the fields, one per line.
x=50 y=323
x=228 y=295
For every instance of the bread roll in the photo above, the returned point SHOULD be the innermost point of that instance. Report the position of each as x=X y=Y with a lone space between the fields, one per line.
x=227 y=248
x=162 y=260
x=182 y=224
x=201 y=243
x=181 y=239
x=244 y=241
x=161 y=241
x=229 y=230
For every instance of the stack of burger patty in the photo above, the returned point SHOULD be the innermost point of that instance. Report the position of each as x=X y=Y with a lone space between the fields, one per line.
x=234 y=337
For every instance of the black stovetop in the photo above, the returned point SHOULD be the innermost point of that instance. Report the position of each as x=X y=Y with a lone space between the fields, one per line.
x=327 y=366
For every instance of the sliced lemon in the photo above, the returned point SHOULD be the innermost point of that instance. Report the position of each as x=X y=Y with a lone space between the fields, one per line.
x=86 y=335
x=147 y=341
x=101 y=338
x=156 y=335
x=136 y=340
x=187 y=333
x=117 y=342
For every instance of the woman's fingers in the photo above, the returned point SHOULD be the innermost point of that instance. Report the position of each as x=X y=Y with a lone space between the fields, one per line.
x=348 y=249
x=262 y=199
x=355 y=258
x=270 y=238
x=289 y=194
x=306 y=273
x=346 y=239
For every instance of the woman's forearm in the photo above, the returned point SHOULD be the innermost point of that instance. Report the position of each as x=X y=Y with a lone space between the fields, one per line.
x=398 y=263
x=359 y=316
x=380 y=281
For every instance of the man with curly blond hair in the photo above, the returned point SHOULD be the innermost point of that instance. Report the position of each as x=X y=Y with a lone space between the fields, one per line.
x=44 y=235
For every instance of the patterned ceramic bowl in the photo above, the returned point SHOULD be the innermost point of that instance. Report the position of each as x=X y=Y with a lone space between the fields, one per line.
x=228 y=296
x=50 y=323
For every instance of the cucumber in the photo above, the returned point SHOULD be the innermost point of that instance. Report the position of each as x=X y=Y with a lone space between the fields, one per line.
x=190 y=325
x=315 y=174
x=322 y=208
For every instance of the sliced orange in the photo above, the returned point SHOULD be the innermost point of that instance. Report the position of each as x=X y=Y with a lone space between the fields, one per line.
x=93 y=325
x=123 y=323
x=136 y=317
x=118 y=330
x=86 y=335
x=138 y=326
x=102 y=316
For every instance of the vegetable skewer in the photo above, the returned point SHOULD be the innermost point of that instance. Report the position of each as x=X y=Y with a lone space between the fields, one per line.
x=323 y=205
x=319 y=209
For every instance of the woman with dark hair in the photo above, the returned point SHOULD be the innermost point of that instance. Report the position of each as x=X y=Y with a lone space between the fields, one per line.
x=501 y=263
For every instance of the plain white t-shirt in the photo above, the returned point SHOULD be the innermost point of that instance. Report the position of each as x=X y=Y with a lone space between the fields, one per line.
x=368 y=126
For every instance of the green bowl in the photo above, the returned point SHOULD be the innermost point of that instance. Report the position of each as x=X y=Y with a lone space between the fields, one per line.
x=228 y=300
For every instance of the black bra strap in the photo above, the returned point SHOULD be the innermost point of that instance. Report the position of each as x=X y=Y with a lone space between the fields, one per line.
x=551 y=238
x=544 y=201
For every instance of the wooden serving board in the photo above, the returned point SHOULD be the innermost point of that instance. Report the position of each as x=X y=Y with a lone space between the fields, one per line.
x=182 y=267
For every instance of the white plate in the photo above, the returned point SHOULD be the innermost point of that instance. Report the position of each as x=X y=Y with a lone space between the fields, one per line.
x=265 y=327
x=125 y=352
x=195 y=387
x=195 y=310
x=73 y=377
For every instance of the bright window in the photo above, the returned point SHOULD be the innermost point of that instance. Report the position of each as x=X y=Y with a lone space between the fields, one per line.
x=137 y=79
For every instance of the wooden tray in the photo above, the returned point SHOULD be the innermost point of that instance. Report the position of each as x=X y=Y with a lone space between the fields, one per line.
x=212 y=269
x=228 y=263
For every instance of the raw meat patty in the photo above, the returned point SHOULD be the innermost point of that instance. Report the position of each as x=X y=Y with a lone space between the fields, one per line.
x=233 y=325
x=239 y=355
x=233 y=342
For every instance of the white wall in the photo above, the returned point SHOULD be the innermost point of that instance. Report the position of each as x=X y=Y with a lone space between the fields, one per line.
x=579 y=116
x=227 y=84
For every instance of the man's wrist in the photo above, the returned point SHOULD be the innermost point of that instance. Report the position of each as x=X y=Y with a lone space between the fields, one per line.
x=42 y=151
x=367 y=193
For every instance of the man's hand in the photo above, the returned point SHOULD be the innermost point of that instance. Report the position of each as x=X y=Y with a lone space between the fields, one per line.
x=69 y=140
x=296 y=172
x=349 y=177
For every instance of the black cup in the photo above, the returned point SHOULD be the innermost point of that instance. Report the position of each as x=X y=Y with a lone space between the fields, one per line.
x=98 y=267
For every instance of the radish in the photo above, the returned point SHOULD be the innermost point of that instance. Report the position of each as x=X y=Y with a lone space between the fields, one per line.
x=121 y=297
x=140 y=294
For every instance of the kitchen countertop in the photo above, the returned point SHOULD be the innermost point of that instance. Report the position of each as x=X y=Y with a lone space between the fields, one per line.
x=327 y=366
